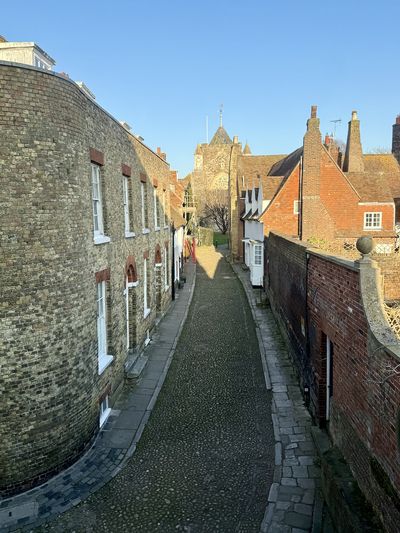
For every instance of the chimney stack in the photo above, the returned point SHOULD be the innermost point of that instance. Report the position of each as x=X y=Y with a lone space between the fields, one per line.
x=311 y=173
x=353 y=159
x=396 y=139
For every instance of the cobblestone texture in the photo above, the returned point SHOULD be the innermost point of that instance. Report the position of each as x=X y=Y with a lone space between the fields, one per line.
x=205 y=460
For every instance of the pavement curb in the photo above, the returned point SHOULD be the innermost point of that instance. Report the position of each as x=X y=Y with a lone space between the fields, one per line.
x=89 y=473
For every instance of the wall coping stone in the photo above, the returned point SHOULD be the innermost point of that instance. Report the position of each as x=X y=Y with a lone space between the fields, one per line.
x=372 y=298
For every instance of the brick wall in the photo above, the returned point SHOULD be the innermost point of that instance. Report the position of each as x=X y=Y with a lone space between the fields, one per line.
x=365 y=403
x=48 y=330
x=364 y=415
x=285 y=280
x=390 y=268
x=280 y=216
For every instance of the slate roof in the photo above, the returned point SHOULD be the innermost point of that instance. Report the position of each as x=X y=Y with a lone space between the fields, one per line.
x=286 y=165
x=220 y=137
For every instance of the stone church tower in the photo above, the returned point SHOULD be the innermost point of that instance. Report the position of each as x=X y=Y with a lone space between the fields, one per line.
x=215 y=166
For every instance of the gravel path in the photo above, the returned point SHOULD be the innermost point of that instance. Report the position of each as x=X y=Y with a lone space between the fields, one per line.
x=205 y=460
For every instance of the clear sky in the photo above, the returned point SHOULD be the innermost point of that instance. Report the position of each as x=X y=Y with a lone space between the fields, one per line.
x=162 y=66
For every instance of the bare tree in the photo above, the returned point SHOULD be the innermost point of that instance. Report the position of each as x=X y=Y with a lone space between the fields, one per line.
x=216 y=211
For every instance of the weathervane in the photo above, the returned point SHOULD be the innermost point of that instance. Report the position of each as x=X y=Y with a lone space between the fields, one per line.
x=221 y=107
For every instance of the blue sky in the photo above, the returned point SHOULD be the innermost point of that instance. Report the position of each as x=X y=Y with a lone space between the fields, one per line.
x=164 y=65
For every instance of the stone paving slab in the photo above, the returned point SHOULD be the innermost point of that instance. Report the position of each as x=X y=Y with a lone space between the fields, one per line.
x=292 y=499
x=117 y=440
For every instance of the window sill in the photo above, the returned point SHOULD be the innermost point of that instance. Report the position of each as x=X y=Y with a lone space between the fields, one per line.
x=146 y=313
x=166 y=288
x=104 y=362
x=129 y=234
x=157 y=228
x=104 y=417
x=145 y=230
x=166 y=226
x=101 y=239
x=372 y=229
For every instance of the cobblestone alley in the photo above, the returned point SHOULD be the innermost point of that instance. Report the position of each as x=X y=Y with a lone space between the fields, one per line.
x=205 y=460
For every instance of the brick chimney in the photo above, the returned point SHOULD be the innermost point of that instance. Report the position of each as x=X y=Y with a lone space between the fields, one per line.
x=353 y=159
x=312 y=155
x=396 y=139
x=311 y=173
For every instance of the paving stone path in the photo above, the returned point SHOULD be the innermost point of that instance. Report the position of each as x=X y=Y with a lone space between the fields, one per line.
x=205 y=460
x=294 y=500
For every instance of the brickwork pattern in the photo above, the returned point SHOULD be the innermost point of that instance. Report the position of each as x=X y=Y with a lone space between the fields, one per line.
x=48 y=335
x=364 y=409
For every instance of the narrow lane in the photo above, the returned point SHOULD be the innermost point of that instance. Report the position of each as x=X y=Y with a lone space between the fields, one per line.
x=205 y=460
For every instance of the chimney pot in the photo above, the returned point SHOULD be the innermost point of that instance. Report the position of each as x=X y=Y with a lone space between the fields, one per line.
x=158 y=150
x=398 y=119
x=313 y=111
x=354 y=115
x=327 y=140
x=235 y=139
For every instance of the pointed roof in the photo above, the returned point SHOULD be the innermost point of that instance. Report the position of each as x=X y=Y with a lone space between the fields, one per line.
x=220 y=137
x=246 y=150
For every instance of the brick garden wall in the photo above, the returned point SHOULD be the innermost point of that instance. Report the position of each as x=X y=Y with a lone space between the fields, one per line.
x=365 y=407
x=285 y=279
x=390 y=267
x=364 y=414
x=49 y=382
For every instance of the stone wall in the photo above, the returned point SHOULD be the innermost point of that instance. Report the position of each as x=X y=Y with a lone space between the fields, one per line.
x=48 y=329
x=344 y=305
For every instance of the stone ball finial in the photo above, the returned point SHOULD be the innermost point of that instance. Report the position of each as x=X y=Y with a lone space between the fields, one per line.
x=365 y=245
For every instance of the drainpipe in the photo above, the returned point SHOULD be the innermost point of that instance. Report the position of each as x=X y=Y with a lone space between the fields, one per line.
x=300 y=221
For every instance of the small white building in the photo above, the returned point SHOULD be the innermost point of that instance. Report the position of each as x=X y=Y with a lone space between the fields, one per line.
x=254 y=233
x=25 y=53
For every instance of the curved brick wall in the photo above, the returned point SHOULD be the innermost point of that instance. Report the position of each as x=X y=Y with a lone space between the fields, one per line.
x=49 y=382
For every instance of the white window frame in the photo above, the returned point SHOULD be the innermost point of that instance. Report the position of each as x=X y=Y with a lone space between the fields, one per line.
x=256 y=248
x=165 y=208
x=146 y=310
x=143 y=197
x=166 y=286
x=296 y=207
x=103 y=358
x=156 y=214
x=105 y=411
x=38 y=62
x=126 y=200
x=373 y=220
x=97 y=206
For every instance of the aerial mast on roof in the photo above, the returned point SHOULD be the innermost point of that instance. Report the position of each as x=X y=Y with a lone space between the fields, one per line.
x=335 y=123
x=221 y=107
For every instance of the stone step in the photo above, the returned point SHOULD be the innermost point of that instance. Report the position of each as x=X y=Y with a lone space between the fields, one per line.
x=134 y=372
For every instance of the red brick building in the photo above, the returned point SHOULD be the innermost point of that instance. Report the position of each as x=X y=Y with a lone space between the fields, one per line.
x=317 y=193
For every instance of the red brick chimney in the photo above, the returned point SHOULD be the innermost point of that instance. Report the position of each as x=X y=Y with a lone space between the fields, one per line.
x=396 y=139
x=353 y=159
x=310 y=177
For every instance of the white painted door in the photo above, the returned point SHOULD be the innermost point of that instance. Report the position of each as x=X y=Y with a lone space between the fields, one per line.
x=256 y=268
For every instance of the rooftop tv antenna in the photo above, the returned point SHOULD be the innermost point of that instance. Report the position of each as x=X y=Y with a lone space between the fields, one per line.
x=335 y=123
x=221 y=108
